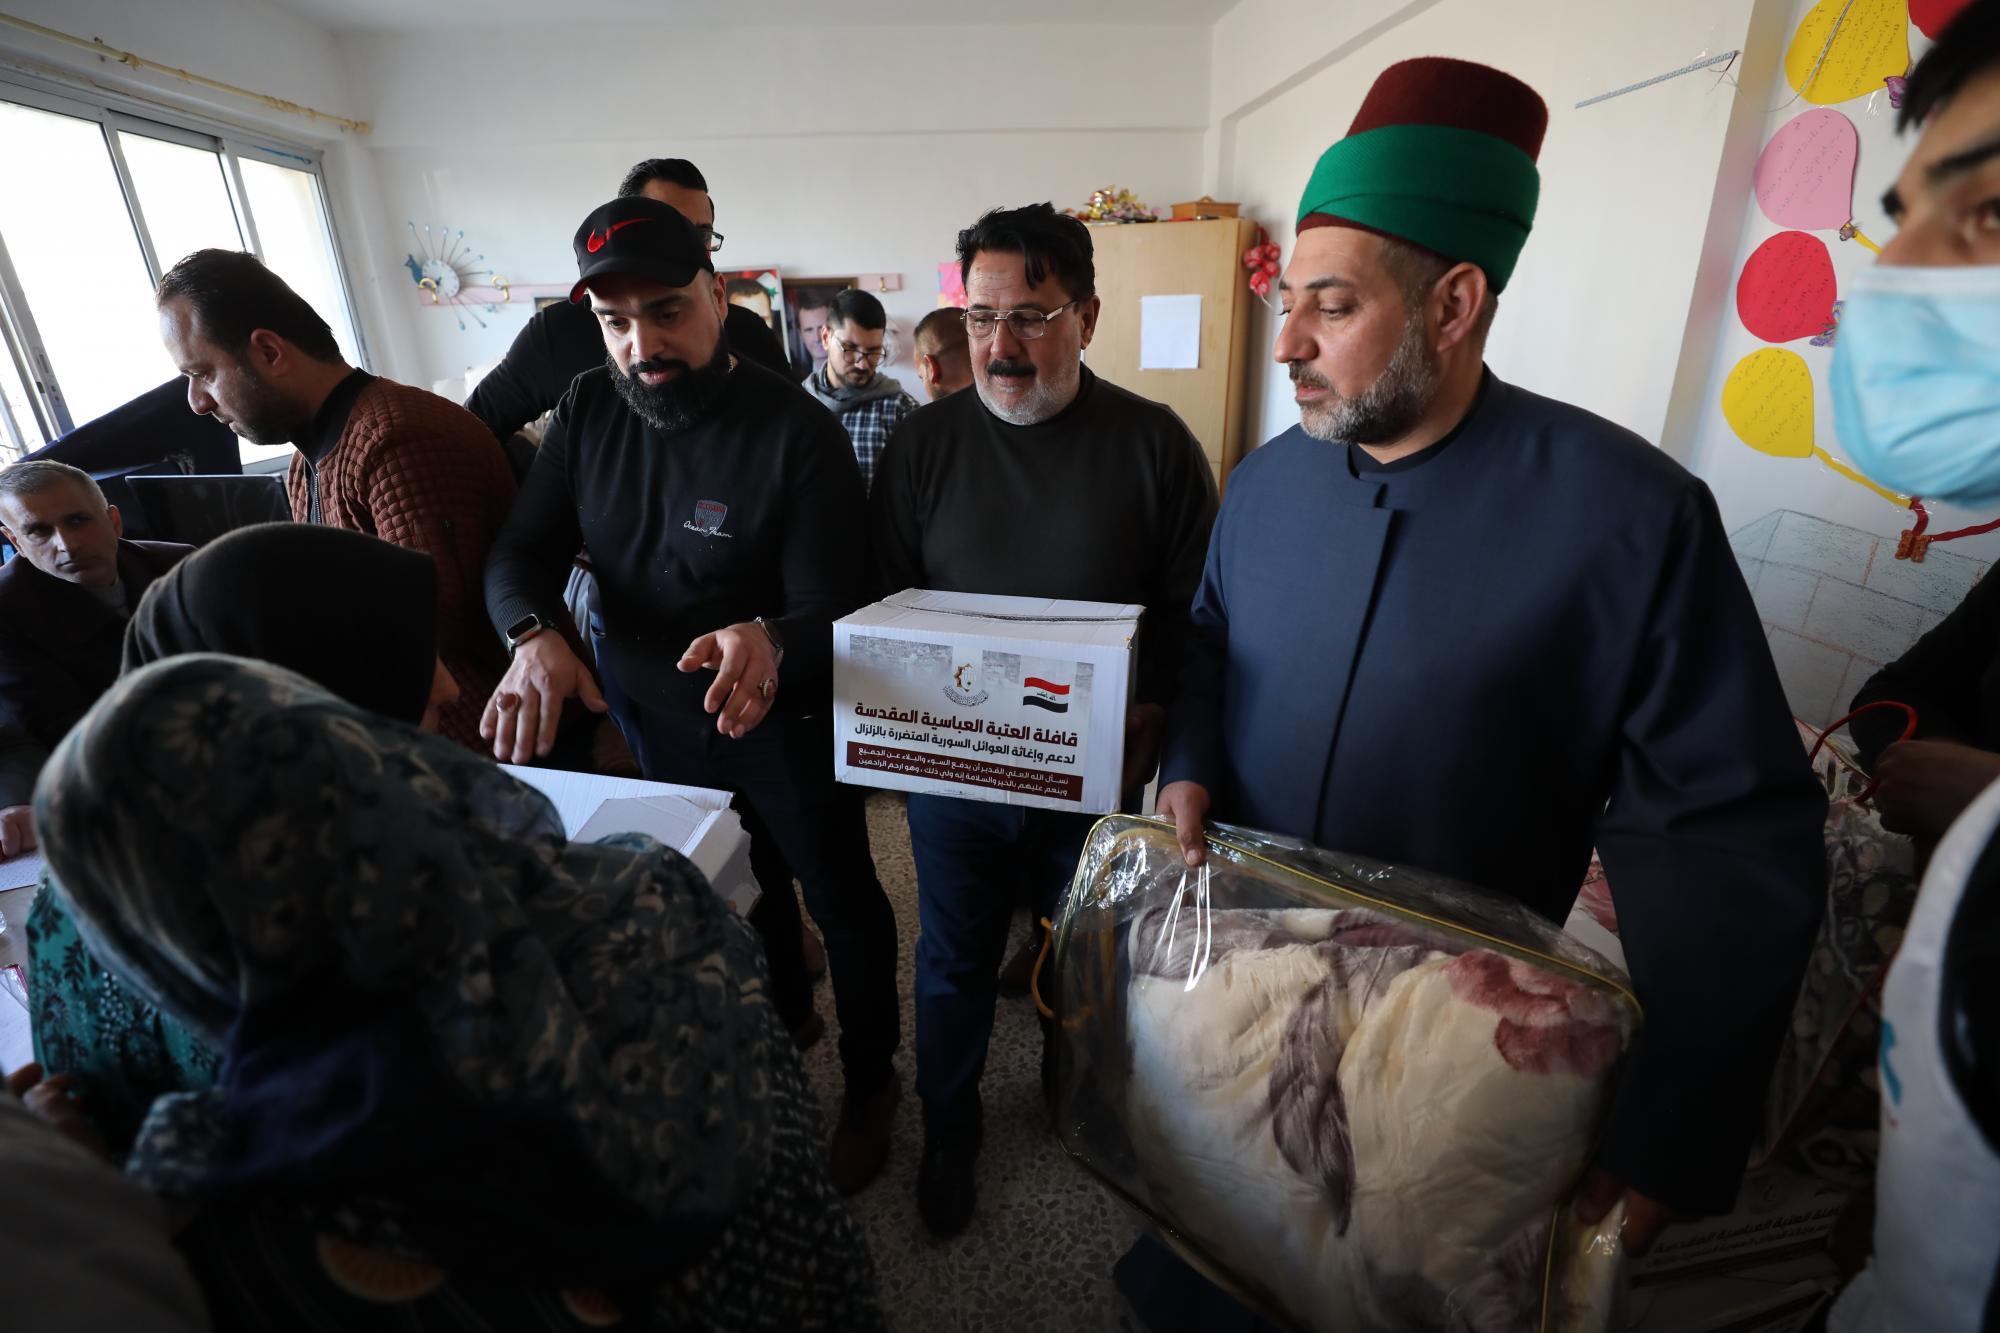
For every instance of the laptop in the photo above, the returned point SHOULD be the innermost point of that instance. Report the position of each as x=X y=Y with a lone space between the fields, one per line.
x=197 y=510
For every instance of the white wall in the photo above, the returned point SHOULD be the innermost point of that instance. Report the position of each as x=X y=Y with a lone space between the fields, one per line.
x=874 y=171
x=1749 y=484
x=249 y=43
x=1596 y=311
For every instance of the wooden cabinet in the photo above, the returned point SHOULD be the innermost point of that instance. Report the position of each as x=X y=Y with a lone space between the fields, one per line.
x=1180 y=258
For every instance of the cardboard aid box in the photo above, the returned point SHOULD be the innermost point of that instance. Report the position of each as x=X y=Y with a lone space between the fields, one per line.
x=695 y=821
x=1017 y=700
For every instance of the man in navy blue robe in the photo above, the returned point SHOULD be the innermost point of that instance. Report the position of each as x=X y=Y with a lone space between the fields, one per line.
x=1450 y=623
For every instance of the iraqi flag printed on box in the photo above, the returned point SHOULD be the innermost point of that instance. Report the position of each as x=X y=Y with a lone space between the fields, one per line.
x=1014 y=700
x=1047 y=694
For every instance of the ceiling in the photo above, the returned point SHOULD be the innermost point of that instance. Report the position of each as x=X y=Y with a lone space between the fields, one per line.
x=466 y=16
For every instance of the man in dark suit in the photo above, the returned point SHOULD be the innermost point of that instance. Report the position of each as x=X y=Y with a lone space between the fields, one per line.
x=64 y=602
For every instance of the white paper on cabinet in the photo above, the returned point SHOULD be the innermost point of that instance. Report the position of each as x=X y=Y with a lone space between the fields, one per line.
x=1170 y=332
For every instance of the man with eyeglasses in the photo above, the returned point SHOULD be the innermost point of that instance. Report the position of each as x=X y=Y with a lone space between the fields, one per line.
x=562 y=341
x=1046 y=481
x=869 y=404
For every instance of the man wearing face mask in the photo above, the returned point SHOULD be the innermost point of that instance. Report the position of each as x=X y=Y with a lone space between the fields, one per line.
x=1448 y=623
x=1916 y=395
x=721 y=506
x=1046 y=481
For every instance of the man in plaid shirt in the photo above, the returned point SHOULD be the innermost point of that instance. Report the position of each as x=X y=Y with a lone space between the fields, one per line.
x=869 y=403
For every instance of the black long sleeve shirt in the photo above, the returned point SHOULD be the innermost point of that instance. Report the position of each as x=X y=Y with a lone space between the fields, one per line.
x=1951 y=676
x=562 y=341
x=1110 y=500
x=755 y=510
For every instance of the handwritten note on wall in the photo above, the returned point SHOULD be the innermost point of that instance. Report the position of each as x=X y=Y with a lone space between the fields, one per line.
x=1934 y=16
x=1805 y=175
x=1787 y=289
x=1872 y=42
x=1769 y=403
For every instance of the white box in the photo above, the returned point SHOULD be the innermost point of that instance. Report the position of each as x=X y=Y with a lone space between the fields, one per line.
x=1016 y=700
x=695 y=821
x=1779 y=1214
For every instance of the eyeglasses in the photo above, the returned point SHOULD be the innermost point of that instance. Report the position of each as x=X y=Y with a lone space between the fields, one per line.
x=712 y=237
x=1027 y=325
x=867 y=356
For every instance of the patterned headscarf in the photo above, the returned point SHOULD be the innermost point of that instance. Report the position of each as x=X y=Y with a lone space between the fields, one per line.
x=446 y=1027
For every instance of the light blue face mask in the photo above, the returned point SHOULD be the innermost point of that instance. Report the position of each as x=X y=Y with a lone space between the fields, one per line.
x=1916 y=380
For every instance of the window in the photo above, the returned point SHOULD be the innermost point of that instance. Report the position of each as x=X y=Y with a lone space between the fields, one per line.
x=115 y=201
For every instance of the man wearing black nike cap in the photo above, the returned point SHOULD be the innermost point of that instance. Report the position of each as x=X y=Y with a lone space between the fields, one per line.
x=726 y=518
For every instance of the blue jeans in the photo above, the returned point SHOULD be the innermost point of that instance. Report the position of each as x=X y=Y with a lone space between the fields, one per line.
x=973 y=858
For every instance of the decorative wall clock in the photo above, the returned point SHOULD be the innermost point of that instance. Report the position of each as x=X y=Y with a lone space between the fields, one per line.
x=444 y=266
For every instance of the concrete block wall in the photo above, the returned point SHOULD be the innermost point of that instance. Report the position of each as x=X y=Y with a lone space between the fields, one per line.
x=1836 y=603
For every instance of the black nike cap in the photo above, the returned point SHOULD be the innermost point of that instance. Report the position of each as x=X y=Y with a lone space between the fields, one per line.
x=640 y=236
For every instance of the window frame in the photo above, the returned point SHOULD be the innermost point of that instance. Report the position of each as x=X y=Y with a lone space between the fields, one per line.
x=113 y=113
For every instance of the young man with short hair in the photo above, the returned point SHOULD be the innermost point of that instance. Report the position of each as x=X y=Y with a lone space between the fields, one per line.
x=870 y=405
x=374 y=456
x=561 y=341
x=1916 y=396
x=944 y=360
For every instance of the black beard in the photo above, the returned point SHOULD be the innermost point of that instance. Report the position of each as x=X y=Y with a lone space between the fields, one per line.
x=682 y=400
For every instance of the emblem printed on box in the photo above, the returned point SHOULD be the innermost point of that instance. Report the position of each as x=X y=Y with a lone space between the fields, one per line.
x=964 y=687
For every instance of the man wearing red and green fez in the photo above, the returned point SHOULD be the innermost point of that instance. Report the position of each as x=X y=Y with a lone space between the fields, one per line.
x=1453 y=624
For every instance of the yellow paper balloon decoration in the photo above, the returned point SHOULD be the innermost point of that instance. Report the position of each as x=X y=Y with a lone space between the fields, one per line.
x=1871 y=43
x=1768 y=402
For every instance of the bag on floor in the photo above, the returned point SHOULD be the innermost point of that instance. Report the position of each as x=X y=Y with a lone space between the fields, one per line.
x=1356 y=1095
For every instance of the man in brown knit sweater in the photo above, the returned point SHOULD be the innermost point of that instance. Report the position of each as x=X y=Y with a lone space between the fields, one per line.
x=374 y=456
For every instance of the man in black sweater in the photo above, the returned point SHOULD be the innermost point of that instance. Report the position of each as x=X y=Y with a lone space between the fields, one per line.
x=64 y=601
x=562 y=341
x=1044 y=482
x=723 y=508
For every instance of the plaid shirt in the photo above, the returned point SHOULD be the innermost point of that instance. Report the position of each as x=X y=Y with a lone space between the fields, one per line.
x=870 y=425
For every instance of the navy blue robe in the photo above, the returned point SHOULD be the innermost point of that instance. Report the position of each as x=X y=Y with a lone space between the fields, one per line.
x=1534 y=641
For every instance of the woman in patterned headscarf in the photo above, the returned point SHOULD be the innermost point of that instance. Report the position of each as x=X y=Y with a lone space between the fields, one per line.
x=473 y=1076
x=291 y=594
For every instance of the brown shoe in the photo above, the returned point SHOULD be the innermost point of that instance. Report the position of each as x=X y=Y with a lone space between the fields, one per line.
x=1014 y=976
x=861 y=1140
x=806 y=1035
x=814 y=954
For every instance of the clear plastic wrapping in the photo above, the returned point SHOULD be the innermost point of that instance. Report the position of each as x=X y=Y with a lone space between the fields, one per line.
x=1355 y=1094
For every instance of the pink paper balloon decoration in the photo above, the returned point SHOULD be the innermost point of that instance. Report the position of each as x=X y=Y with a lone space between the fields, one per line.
x=1787 y=289
x=1805 y=175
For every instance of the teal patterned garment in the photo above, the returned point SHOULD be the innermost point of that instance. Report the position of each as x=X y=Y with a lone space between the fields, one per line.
x=464 y=1060
x=122 y=1050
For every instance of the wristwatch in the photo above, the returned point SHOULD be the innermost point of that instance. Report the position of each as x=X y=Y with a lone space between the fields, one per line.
x=770 y=629
x=524 y=629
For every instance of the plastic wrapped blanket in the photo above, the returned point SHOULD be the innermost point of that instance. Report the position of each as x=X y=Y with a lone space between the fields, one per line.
x=1357 y=1095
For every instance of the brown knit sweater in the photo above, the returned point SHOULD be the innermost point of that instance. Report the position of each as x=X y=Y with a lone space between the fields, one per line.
x=420 y=471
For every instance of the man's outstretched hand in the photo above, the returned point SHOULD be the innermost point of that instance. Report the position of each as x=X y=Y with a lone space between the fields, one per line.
x=1645 y=1218
x=745 y=663
x=522 y=715
x=1186 y=803
x=17 y=830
